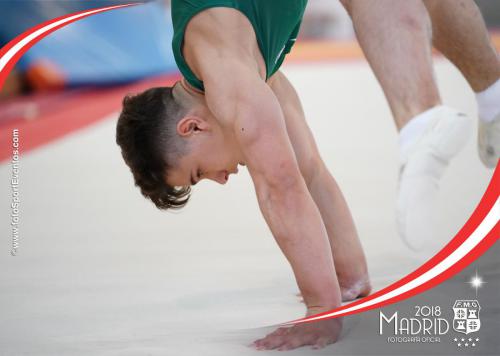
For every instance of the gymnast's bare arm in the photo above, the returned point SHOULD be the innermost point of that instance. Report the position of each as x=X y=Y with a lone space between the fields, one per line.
x=240 y=99
x=248 y=105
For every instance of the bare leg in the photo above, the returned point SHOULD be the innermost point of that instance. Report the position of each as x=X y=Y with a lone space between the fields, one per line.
x=460 y=34
x=395 y=36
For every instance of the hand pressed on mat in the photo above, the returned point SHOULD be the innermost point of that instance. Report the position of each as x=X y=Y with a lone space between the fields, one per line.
x=317 y=333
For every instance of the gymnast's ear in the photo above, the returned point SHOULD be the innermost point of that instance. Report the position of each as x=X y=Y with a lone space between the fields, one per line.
x=191 y=125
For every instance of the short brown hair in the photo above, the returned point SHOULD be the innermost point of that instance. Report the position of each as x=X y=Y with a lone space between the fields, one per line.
x=146 y=134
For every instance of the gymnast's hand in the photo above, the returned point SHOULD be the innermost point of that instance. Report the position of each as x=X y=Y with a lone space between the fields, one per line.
x=318 y=334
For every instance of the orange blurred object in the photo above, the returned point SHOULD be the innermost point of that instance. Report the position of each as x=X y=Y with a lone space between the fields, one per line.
x=44 y=75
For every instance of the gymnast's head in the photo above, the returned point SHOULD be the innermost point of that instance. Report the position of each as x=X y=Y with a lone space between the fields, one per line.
x=170 y=141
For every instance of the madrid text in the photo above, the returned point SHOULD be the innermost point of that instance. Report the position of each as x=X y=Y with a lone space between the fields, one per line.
x=425 y=326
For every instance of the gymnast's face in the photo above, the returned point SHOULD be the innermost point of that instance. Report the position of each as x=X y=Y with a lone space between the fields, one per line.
x=209 y=153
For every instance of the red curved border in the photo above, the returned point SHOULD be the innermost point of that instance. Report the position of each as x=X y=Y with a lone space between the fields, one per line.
x=11 y=63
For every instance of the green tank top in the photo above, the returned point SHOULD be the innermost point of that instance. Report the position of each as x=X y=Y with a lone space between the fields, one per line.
x=276 y=24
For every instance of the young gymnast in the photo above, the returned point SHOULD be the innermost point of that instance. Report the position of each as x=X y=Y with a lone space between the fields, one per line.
x=234 y=107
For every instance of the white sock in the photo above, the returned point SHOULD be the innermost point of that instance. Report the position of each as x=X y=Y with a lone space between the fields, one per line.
x=488 y=102
x=415 y=127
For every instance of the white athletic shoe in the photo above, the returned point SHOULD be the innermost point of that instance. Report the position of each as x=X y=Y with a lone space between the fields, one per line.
x=488 y=141
x=423 y=163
